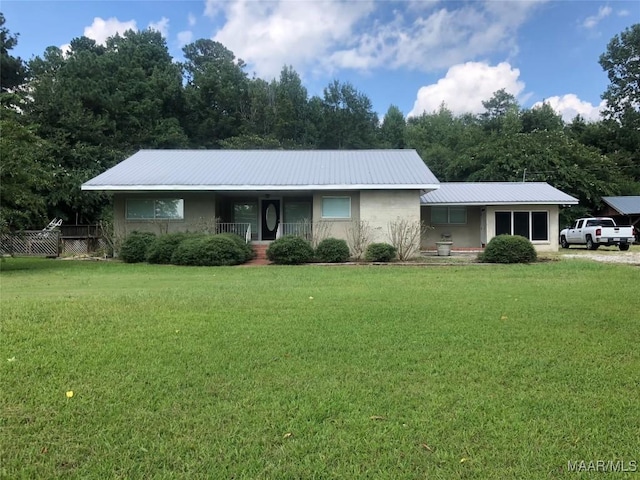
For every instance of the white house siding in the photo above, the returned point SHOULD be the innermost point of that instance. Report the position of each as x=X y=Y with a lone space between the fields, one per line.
x=199 y=209
x=380 y=207
x=553 y=217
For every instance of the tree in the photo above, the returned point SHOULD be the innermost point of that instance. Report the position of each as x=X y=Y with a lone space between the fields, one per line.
x=392 y=130
x=349 y=119
x=217 y=93
x=542 y=118
x=12 y=69
x=621 y=61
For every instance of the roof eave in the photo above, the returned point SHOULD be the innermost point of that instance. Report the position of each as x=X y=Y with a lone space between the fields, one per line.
x=488 y=204
x=254 y=188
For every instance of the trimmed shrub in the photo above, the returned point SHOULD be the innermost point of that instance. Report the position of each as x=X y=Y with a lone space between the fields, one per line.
x=332 y=250
x=238 y=240
x=290 y=250
x=208 y=250
x=380 y=252
x=162 y=247
x=135 y=246
x=508 y=249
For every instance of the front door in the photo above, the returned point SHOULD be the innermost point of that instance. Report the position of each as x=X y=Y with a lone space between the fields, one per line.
x=270 y=217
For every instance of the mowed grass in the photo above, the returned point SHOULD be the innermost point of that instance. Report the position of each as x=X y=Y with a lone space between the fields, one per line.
x=380 y=372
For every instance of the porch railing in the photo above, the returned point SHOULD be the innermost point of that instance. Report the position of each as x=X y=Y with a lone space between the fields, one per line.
x=241 y=229
x=300 y=229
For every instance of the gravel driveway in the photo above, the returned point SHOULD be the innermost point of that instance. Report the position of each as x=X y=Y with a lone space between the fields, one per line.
x=614 y=257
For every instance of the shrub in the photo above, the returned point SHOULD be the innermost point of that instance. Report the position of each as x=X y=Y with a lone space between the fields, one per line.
x=380 y=252
x=290 y=250
x=161 y=248
x=508 y=249
x=208 y=250
x=332 y=250
x=238 y=240
x=134 y=247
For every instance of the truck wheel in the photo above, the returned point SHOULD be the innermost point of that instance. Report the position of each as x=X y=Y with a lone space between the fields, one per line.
x=563 y=242
x=624 y=247
x=590 y=244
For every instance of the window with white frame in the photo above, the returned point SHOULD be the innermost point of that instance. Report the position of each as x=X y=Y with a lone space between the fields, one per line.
x=336 y=207
x=155 y=209
x=533 y=225
x=448 y=215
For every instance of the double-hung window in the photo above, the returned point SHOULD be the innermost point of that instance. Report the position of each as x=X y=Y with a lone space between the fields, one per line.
x=448 y=215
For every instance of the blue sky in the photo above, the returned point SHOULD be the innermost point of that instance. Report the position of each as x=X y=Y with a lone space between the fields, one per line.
x=415 y=54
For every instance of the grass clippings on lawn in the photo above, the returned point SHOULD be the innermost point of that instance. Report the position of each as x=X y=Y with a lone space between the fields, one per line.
x=110 y=370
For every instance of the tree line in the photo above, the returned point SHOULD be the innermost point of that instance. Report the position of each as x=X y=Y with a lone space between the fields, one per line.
x=68 y=116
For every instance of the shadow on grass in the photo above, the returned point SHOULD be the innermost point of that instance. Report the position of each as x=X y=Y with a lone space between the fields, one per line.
x=14 y=264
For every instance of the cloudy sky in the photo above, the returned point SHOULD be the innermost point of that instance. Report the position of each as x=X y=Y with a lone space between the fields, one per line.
x=415 y=54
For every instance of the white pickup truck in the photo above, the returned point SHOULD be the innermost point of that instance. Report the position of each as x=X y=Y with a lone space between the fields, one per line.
x=597 y=231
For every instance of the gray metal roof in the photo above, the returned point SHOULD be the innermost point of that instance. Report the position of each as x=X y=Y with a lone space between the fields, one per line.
x=628 y=205
x=267 y=170
x=496 y=193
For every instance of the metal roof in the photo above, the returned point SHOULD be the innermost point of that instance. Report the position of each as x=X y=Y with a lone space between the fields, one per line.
x=628 y=205
x=496 y=193
x=154 y=170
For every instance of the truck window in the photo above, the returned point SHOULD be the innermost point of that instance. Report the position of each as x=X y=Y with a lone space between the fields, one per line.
x=579 y=224
x=592 y=223
x=606 y=222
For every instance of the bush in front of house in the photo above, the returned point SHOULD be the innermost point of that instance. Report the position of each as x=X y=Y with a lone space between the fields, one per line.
x=380 y=252
x=162 y=248
x=508 y=249
x=208 y=250
x=238 y=240
x=332 y=250
x=134 y=247
x=290 y=250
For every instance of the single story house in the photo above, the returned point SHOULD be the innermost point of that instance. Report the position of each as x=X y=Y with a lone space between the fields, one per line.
x=262 y=194
x=624 y=210
x=471 y=214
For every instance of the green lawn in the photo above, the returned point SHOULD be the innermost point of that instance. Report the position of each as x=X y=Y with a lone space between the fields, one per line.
x=378 y=372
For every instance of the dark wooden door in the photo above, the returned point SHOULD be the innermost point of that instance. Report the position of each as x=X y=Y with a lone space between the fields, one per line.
x=270 y=213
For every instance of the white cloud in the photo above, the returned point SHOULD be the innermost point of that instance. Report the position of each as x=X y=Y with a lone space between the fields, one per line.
x=324 y=35
x=569 y=105
x=271 y=35
x=161 y=26
x=466 y=86
x=66 y=49
x=624 y=13
x=101 y=29
x=592 y=21
x=185 y=37
x=191 y=19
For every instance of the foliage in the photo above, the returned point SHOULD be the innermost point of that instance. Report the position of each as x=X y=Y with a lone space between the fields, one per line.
x=358 y=237
x=508 y=249
x=380 y=252
x=241 y=243
x=290 y=250
x=134 y=248
x=209 y=250
x=162 y=248
x=392 y=130
x=12 y=69
x=405 y=236
x=332 y=250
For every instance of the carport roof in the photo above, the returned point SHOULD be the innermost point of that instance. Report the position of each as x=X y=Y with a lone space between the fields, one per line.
x=497 y=193
x=627 y=205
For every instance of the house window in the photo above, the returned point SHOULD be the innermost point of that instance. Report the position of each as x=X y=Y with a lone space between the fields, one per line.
x=531 y=225
x=155 y=209
x=448 y=215
x=297 y=212
x=246 y=212
x=336 y=207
